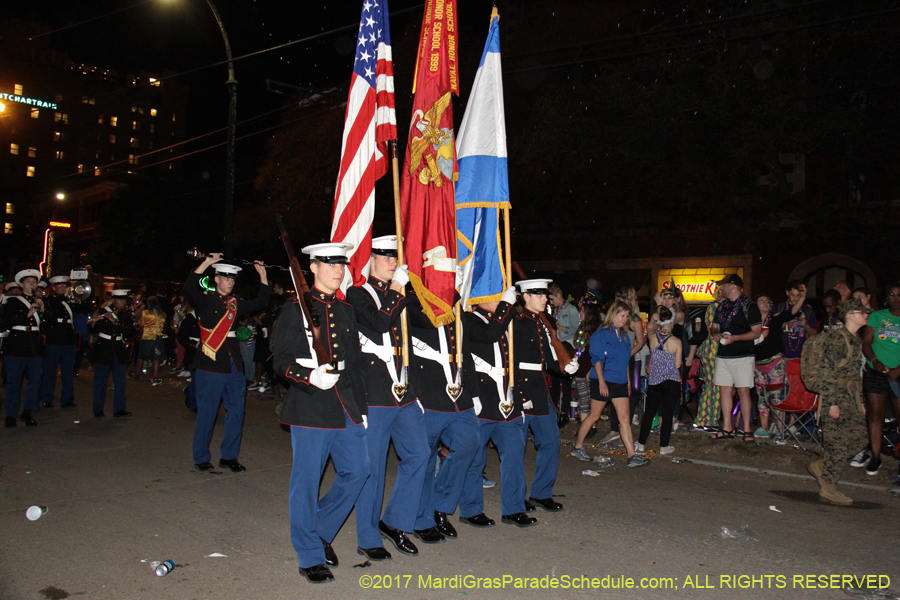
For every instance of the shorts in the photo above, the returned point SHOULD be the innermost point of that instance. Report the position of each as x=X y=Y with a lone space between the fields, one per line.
x=150 y=350
x=735 y=372
x=876 y=383
x=616 y=390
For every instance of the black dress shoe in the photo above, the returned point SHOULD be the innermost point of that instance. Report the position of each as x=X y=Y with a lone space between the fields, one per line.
x=398 y=538
x=374 y=553
x=121 y=413
x=232 y=464
x=47 y=404
x=69 y=405
x=548 y=504
x=430 y=535
x=519 y=520
x=331 y=558
x=481 y=520
x=28 y=419
x=317 y=574
x=11 y=422
x=529 y=507
x=207 y=466
x=443 y=525
x=99 y=415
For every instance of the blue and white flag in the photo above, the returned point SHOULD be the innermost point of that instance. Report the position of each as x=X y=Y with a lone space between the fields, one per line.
x=483 y=186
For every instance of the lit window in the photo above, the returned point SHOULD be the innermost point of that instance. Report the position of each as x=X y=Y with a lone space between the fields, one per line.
x=32 y=151
x=113 y=121
x=136 y=125
x=140 y=111
x=112 y=138
x=60 y=118
x=135 y=143
x=100 y=119
x=8 y=228
x=97 y=171
x=29 y=172
x=91 y=101
x=134 y=109
x=10 y=208
x=152 y=112
x=87 y=100
x=173 y=117
x=152 y=127
x=80 y=168
x=13 y=148
x=59 y=155
x=35 y=113
x=170 y=166
x=18 y=91
x=154 y=82
x=57 y=136
x=132 y=159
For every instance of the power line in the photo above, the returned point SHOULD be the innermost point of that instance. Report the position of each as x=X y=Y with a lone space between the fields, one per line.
x=34 y=37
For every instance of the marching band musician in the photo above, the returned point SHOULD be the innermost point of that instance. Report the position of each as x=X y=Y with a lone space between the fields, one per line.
x=23 y=349
x=62 y=344
x=534 y=355
x=219 y=376
x=111 y=352
x=449 y=418
x=503 y=423
x=326 y=408
x=393 y=415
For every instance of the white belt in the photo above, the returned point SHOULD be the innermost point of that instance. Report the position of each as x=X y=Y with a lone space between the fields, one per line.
x=423 y=350
x=231 y=334
x=106 y=336
x=483 y=366
x=305 y=362
x=385 y=353
x=62 y=320
x=531 y=366
x=25 y=327
x=194 y=339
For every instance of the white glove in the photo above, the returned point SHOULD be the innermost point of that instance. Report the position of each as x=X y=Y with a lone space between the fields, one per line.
x=477 y=402
x=365 y=422
x=509 y=296
x=401 y=275
x=572 y=367
x=459 y=275
x=322 y=379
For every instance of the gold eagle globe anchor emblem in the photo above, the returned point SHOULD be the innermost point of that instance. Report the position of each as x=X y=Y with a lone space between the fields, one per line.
x=435 y=145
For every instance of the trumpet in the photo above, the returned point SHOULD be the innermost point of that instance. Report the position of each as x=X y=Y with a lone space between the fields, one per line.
x=195 y=254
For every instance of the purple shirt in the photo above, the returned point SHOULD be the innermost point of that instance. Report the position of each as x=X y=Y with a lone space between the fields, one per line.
x=793 y=333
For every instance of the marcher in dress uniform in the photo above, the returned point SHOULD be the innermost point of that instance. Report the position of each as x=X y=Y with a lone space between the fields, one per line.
x=62 y=344
x=534 y=355
x=23 y=349
x=326 y=408
x=111 y=352
x=189 y=337
x=449 y=418
x=13 y=288
x=487 y=345
x=220 y=369
x=392 y=415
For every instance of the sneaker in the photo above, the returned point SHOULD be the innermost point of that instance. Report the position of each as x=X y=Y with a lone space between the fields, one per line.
x=581 y=454
x=675 y=426
x=655 y=430
x=667 y=450
x=636 y=420
x=610 y=437
x=639 y=447
x=262 y=388
x=254 y=386
x=861 y=459
x=873 y=466
x=487 y=483
x=184 y=373
x=761 y=433
x=637 y=461
x=156 y=382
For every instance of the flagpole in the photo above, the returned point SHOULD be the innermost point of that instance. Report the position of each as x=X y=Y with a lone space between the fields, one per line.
x=396 y=176
x=508 y=252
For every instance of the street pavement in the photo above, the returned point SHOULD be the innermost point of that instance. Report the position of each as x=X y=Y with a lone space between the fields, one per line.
x=122 y=492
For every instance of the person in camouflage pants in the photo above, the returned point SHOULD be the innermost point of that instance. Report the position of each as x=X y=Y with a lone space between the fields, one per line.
x=840 y=398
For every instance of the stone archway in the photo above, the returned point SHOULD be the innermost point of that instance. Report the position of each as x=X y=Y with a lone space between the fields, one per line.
x=818 y=271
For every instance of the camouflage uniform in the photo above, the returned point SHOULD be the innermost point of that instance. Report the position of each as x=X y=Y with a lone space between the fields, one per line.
x=841 y=386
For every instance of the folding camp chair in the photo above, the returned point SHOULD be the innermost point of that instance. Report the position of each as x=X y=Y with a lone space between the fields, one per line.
x=801 y=404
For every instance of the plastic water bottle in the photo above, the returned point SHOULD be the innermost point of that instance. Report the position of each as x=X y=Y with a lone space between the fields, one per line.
x=164 y=568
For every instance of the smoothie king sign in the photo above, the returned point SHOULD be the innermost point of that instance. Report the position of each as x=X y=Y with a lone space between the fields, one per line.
x=697 y=285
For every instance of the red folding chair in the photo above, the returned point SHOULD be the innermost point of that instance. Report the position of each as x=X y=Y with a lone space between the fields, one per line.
x=800 y=403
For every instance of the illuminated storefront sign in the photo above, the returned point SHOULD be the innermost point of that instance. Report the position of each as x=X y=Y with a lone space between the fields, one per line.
x=60 y=224
x=28 y=101
x=697 y=285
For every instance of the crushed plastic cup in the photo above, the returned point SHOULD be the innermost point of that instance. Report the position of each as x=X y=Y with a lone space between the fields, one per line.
x=744 y=534
x=604 y=462
x=680 y=461
x=591 y=473
x=35 y=512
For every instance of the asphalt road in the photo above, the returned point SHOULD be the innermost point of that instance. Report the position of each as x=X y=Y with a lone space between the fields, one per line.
x=123 y=492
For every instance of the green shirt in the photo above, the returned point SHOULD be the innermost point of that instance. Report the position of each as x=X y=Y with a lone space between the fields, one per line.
x=886 y=341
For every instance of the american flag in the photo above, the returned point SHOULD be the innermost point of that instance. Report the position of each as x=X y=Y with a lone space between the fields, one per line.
x=370 y=122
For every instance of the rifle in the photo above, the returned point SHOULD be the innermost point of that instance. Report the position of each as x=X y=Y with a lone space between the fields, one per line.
x=563 y=356
x=309 y=314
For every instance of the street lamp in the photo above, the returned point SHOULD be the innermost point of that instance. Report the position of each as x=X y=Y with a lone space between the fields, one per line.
x=60 y=196
x=232 y=130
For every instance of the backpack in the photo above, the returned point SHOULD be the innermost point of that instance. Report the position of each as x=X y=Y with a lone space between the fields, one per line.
x=812 y=358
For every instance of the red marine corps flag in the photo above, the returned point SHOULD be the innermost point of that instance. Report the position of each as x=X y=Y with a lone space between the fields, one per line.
x=426 y=189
